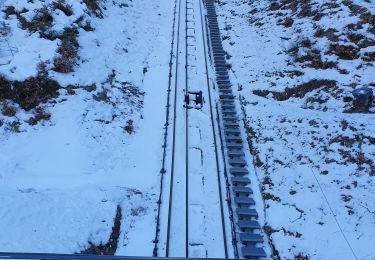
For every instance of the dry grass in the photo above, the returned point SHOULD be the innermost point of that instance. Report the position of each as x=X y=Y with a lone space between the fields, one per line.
x=29 y=93
x=40 y=114
x=94 y=7
x=63 y=6
x=345 y=52
x=67 y=59
x=298 y=91
x=8 y=109
x=42 y=21
x=111 y=246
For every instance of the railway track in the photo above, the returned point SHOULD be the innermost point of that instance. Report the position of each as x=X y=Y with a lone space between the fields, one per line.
x=183 y=228
x=192 y=219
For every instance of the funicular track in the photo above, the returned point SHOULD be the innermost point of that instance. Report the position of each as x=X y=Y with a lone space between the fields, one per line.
x=177 y=206
x=176 y=220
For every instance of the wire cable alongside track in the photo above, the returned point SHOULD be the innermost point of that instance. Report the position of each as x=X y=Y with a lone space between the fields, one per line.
x=166 y=127
x=186 y=134
x=174 y=134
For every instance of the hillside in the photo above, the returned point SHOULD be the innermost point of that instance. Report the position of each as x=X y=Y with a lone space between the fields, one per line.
x=296 y=64
x=75 y=88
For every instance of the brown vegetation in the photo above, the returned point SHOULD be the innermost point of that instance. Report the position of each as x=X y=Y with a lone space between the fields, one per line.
x=42 y=21
x=345 y=52
x=299 y=91
x=29 y=93
x=67 y=59
x=129 y=128
x=8 y=109
x=40 y=114
x=93 y=5
x=63 y=6
x=111 y=246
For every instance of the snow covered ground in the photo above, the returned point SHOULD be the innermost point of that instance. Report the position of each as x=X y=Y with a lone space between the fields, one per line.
x=314 y=163
x=82 y=101
x=62 y=179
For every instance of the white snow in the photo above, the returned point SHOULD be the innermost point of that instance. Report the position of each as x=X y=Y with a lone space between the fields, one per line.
x=308 y=212
x=62 y=179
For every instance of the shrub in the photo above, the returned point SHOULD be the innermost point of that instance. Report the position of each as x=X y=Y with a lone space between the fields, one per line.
x=43 y=68
x=301 y=90
x=330 y=34
x=70 y=90
x=87 y=27
x=4 y=29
